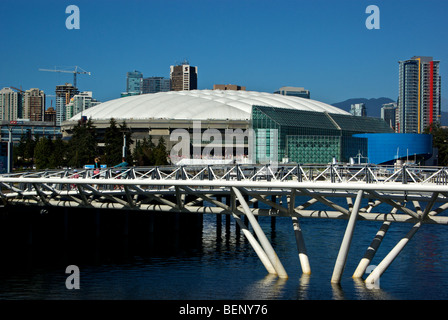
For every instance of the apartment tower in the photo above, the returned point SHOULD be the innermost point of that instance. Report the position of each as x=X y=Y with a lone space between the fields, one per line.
x=34 y=105
x=63 y=95
x=419 y=99
x=10 y=104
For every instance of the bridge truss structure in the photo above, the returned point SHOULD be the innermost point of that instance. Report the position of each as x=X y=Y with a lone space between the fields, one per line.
x=406 y=194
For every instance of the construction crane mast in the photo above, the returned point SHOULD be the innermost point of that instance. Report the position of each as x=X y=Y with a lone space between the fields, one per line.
x=75 y=72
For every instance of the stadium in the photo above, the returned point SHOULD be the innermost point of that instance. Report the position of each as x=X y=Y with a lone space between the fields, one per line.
x=306 y=131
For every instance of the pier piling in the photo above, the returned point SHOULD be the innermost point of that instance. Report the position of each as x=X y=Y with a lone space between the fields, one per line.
x=346 y=241
x=301 y=248
x=385 y=263
x=261 y=236
x=370 y=253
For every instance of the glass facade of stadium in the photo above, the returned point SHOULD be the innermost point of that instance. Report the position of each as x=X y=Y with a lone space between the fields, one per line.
x=312 y=137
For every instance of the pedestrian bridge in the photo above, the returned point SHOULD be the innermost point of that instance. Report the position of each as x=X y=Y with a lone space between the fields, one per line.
x=390 y=194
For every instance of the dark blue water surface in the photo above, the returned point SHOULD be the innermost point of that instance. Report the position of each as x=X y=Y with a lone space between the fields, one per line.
x=223 y=265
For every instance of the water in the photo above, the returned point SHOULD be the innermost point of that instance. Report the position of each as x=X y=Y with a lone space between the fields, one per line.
x=219 y=264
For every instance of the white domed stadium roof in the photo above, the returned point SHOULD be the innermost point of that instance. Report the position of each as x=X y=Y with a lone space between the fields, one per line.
x=199 y=105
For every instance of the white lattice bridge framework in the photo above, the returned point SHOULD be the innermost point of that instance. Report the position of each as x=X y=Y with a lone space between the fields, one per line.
x=406 y=194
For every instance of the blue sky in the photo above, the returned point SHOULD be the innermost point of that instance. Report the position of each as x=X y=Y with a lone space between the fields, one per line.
x=322 y=45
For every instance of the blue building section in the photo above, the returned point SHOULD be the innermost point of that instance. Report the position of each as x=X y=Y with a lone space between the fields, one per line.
x=385 y=148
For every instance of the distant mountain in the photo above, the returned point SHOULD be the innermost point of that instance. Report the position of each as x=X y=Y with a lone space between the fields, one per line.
x=373 y=105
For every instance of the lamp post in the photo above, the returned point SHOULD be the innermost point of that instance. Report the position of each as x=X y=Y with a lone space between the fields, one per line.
x=125 y=132
x=124 y=144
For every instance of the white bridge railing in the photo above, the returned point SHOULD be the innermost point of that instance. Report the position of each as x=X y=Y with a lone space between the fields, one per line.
x=300 y=173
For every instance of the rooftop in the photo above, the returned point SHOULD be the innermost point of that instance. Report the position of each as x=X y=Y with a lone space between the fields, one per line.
x=200 y=105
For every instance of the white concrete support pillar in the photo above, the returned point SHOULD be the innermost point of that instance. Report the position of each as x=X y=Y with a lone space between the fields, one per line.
x=346 y=241
x=273 y=258
x=258 y=249
x=303 y=255
x=379 y=270
x=371 y=251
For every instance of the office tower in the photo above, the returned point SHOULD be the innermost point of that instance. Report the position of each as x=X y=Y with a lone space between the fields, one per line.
x=419 y=100
x=294 y=91
x=10 y=104
x=134 y=81
x=358 y=109
x=228 y=87
x=80 y=102
x=155 y=84
x=63 y=95
x=183 y=77
x=388 y=114
x=34 y=105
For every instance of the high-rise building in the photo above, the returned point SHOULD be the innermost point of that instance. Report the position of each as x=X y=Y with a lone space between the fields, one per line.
x=34 y=105
x=183 y=77
x=294 y=91
x=419 y=99
x=388 y=114
x=50 y=115
x=134 y=81
x=228 y=87
x=63 y=95
x=155 y=84
x=80 y=102
x=358 y=109
x=10 y=104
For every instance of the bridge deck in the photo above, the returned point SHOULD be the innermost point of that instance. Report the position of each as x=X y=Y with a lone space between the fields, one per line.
x=167 y=188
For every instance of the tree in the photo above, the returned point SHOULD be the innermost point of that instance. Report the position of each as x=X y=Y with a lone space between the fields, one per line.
x=59 y=156
x=30 y=144
x=144 y=152
x=83 y=146
x=148 y=154
x=439 y=141
x=160 y=153
x=137 y=154
x=113 y=142
x=23 y=153
x=42 y=153
x=19 y=152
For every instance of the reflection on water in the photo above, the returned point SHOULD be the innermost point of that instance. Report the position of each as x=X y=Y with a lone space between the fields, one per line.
x=304 y=282
x=268 y=288
x=365 y=293
x=217 y=262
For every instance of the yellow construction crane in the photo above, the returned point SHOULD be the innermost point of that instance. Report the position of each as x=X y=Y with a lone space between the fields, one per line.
x=75 y=72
